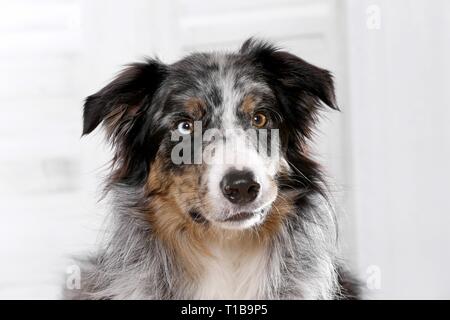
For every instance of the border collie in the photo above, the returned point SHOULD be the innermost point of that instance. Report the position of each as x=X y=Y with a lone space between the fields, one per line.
x=256 y=226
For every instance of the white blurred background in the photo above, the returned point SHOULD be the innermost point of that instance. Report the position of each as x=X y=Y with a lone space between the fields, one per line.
x=389 y=149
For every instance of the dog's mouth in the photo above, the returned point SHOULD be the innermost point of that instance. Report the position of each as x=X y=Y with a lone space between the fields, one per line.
x=243 y=219
x=197 y=217
x=241 y=216
x=240 y=219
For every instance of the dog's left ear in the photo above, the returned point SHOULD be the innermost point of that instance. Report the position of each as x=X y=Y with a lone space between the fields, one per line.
x=124 y=98
x=125 y=108
x=299 y=85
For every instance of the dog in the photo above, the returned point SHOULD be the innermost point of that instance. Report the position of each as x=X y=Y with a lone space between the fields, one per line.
x=257 y=226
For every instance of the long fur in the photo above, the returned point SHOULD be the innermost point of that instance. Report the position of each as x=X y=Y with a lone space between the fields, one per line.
x=297 y=261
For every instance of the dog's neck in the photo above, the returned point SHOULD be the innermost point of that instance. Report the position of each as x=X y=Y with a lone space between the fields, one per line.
x=296 y=261
x=221 y=264
x=233 y=270
x=246 y=267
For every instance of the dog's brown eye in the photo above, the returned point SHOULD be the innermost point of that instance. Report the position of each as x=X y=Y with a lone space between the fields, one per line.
x=185 y=127
x=259 y=120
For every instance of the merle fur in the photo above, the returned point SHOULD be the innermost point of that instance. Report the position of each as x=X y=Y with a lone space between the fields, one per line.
x=133 y=263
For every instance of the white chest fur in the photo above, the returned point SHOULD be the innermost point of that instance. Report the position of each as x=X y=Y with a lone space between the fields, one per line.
x=233 y=273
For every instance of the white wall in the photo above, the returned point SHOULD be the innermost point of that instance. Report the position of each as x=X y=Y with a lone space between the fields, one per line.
x=400 y=116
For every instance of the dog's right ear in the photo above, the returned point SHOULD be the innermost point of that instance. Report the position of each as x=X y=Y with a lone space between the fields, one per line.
x=125 y=98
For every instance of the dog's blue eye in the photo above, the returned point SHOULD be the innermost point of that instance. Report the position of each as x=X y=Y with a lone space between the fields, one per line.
x=185 y=127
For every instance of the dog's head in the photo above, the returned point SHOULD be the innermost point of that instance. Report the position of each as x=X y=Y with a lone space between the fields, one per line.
x=212 y=138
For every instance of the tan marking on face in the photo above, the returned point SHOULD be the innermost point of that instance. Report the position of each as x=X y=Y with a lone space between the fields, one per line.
x=196 y=107
x=248 y=105
x=172 y=197
x=281 y=208
x=168 y=214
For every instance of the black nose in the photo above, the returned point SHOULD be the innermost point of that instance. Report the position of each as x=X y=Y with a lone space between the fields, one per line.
x=239 y=186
